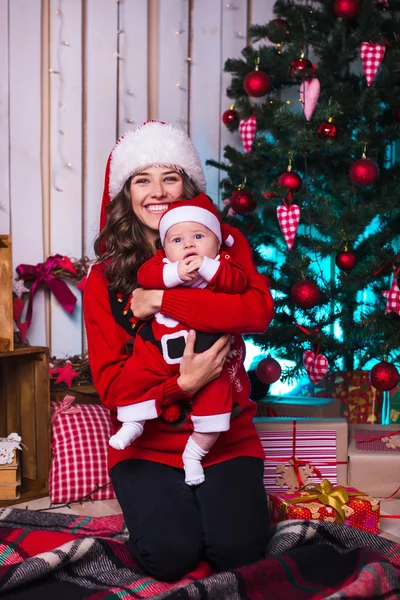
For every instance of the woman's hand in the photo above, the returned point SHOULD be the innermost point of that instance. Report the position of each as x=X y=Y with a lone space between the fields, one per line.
x=198 y=369
x=145 y=303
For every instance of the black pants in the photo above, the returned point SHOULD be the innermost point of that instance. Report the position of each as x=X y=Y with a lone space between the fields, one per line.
x=173 y=526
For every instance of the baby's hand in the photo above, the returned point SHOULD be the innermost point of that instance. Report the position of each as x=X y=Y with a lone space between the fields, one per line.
x=183 y=275
x=193 y=263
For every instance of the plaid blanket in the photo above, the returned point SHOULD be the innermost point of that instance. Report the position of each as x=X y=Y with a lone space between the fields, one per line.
x=69 y=557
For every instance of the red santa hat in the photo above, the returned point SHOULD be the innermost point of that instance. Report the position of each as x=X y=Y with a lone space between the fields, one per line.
x=197 y=210
x=152 y=144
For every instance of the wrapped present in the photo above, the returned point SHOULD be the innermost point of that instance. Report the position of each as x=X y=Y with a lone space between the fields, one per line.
x=359 y=401
x=390 y=517
x=325 y=502
x=394 y=415
x=374 y=459
x=299 y=406
x=319 y=443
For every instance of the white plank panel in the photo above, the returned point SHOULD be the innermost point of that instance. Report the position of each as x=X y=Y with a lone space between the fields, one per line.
x=4 y=123
x=132 y=92
x=261 y=13
x=25 y=137
x=173 y=93
x=66 y=160
x=234 y=39
x=205 y=109
x=100 y=124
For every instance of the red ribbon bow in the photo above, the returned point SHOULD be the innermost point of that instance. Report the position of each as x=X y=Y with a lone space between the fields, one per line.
x=65 y=407
x=41 y=274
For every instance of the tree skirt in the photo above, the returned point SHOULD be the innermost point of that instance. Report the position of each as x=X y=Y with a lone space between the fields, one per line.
x=45 y=555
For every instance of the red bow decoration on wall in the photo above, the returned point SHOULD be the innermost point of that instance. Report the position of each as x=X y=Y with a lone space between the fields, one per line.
x=41 y=274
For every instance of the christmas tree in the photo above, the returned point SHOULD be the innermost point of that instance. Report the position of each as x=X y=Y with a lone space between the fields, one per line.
x=316 y=187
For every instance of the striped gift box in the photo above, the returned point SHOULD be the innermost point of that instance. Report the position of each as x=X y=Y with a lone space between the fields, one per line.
x=316 y=447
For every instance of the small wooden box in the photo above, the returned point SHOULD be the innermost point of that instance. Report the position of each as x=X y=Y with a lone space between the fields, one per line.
x=10 y=479
x=6 y=300
x=9 y=472
x=25 y=408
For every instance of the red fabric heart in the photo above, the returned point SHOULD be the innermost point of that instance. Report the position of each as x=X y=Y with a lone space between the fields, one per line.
x=18 y=307
x=23 y=330
x=288 y=222
x=316 y=365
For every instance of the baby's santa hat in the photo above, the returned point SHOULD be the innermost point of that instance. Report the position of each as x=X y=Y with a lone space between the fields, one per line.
x=197 y=210
x=153 y=144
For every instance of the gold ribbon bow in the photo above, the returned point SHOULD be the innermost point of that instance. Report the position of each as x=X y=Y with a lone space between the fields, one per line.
x=327 y=494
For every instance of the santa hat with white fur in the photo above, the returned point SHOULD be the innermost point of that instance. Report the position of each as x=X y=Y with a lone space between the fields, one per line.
x=197 y=210
x=152 y=144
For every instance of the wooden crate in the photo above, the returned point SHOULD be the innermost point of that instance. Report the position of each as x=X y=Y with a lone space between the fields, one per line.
x=25 y=409
x=6 y=301
x=9 y=472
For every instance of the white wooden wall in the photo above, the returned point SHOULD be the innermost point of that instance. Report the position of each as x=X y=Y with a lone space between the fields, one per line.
x=75 y=75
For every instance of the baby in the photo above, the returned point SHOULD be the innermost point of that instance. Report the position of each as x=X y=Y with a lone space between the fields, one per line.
x=190 y=233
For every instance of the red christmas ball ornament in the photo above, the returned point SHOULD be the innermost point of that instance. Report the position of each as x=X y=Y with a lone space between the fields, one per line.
x=327 y=130
x=230 y=116
x=290 y=180
x=305 y=294
x=278 y=31
x=171 y=413
x=268 y=370
x=397 y=114
x=242 y=201
x=346 y=9
x=346 y=261
x=257 y=83
x=363 y=172
x=301 y=68
x=384 y=376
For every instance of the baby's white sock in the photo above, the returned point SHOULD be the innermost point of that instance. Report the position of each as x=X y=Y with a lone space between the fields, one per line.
x=192 y=456
x=126 y=435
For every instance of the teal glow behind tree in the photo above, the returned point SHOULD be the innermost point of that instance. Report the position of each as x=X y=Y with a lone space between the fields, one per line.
x=351 y=221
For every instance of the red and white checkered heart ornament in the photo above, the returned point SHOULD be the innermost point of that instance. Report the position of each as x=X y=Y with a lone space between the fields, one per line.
x=247 y=130
x=289 y=217
x=371 y=57
x=316 y=365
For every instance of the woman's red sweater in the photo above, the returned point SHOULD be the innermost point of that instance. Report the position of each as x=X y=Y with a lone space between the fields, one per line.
x=204 y=310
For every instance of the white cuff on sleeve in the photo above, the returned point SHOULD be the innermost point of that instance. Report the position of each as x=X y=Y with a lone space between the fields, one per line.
x=211 y=423
x=170 y=275
x=209 y=267
x=142 y=411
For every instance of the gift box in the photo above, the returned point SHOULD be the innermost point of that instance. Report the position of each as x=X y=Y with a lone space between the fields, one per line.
x=359 y=401
x=325 y=502
x=299 y=406
x=319 y=443
x=395 y=405
x=390 y=517
x=374 y=466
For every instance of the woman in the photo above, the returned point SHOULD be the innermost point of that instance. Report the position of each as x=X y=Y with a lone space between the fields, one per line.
x=173 y=526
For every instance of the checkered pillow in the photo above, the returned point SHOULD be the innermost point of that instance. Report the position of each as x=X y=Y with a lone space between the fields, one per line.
x=79 y=443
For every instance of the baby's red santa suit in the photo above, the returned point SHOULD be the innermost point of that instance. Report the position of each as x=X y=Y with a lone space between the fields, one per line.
x=212 y=409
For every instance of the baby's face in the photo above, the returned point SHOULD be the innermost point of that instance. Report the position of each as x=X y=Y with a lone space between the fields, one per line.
x=190 y=239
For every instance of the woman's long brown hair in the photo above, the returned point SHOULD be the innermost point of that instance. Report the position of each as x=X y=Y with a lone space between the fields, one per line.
x=122 y=244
